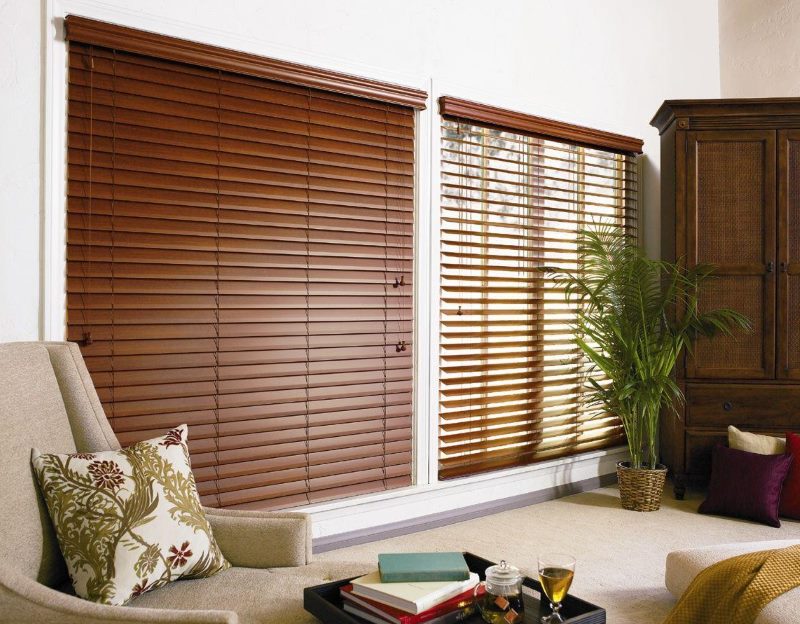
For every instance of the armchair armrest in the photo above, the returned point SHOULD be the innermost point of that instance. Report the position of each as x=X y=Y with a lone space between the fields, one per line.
x=258 y=539
x=23 y=600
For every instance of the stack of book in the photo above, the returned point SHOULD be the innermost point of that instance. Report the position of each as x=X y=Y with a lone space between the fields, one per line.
x=413 y=588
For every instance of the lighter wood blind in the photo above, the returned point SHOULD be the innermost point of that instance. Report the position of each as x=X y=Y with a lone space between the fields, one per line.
x=240 y=259
x=513 y=385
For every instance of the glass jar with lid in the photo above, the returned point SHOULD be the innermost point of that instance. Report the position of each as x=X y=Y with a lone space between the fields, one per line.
x=499 y=597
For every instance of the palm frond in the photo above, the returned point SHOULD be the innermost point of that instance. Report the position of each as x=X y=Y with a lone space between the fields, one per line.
x=635 y=316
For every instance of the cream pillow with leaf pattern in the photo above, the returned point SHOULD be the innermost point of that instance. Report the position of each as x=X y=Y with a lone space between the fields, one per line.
x=128 y=521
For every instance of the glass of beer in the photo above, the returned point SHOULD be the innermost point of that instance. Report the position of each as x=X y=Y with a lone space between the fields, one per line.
x=555 y=575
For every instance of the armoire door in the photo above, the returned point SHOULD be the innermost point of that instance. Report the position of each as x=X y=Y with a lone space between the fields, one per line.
x=788 y=254
x=730 y=223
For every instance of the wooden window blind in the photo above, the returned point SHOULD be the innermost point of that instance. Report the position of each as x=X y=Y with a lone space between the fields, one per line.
x=516 y=190
x=239 y=258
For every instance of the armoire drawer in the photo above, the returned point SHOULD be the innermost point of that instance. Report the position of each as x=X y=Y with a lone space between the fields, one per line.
x=754 y=406
x=699 y=445
x=701 y=442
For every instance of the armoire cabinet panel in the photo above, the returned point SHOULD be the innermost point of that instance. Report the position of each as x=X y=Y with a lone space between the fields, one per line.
x=730 y=209
x=730 y=197
x=789 y=254
x=698 y=441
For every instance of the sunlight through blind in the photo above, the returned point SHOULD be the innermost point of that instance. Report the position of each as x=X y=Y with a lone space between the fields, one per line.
x=513 y=385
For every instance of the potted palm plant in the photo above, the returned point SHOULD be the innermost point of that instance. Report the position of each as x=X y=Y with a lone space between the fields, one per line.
x=634 y=317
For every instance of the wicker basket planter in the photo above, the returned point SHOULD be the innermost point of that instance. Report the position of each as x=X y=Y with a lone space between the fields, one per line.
x=640 y=489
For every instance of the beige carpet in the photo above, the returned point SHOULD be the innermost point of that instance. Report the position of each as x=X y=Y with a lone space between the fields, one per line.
x=620 y=553
x=620 y=556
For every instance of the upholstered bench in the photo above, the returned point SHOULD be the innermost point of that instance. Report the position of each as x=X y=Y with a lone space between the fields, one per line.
x=684 y=565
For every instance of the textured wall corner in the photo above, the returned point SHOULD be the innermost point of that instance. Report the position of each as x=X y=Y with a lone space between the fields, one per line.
x=20 y=105
x=759 y=48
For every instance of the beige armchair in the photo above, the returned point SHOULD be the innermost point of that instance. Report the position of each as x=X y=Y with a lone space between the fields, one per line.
x=47 y=400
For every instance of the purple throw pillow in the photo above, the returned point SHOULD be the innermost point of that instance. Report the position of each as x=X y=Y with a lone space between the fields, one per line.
x=746 y=485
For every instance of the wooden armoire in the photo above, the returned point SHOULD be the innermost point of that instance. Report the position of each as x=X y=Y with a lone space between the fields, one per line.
x=730 y=196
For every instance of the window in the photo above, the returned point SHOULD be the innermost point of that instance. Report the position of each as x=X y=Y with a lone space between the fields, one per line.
x=239 y=258
x=516 y=190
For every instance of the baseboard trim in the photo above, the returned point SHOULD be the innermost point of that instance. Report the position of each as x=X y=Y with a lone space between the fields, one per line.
x=432 y=521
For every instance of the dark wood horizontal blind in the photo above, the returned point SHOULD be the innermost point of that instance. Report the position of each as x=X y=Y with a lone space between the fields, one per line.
x=240 y=259
x=513 y=385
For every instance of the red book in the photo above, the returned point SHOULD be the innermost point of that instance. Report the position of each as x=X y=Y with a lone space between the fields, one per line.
x=396 y=616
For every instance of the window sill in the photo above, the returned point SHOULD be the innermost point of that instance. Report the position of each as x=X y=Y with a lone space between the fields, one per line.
x=377 y=513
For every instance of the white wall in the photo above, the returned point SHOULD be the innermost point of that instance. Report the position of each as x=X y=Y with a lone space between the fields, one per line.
x=20 y=102
x=604 y=63
x=759 y=48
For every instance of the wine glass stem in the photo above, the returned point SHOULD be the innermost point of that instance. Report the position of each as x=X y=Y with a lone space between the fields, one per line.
x=556 y=607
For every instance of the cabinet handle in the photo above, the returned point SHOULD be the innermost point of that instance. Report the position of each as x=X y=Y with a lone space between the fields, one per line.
x=770 y=267
x=727 y=406
x=783 y=267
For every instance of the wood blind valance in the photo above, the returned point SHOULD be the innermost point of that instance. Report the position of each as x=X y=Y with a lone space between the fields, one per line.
x=522 y=123
x=512 y=383
x=239 y=258
x=93 y=32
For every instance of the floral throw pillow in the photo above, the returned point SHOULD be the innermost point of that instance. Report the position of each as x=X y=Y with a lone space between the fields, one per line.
x=128 y=521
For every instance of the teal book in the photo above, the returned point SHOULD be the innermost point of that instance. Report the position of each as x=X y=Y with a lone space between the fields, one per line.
x=433 y=566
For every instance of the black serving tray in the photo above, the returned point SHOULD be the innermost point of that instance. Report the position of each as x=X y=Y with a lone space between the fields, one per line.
x=325 y=602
